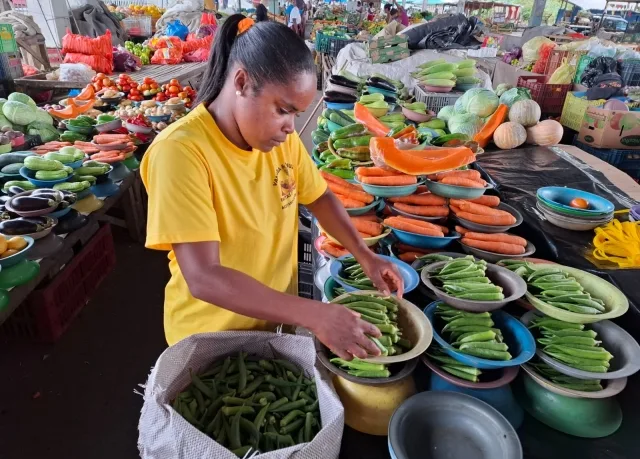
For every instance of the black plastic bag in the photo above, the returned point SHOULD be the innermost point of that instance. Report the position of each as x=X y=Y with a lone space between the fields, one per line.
x=447 y=33
x=598 y=66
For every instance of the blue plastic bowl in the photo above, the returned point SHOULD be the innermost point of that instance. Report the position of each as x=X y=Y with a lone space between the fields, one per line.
x=339 y=106
x=159 y=118
x=561 y=196
x=409 y=275
x=519 y=339
x=425 y=242
x=390 y=191
x=377 y=204
x=384 y=92
x=332 y=126
x=76 y=164
x=60 y=213
x=30 y=175
x=18 y=257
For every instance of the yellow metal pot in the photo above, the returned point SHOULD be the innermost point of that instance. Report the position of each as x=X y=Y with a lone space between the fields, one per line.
x=368 y=408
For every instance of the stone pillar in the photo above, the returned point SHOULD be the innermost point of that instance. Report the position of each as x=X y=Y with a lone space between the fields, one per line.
x=536 y=13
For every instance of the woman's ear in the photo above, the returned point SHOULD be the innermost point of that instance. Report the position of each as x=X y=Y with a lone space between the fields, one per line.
x=241 y=81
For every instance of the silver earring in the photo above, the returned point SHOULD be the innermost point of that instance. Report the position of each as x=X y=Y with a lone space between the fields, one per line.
x=238 y=93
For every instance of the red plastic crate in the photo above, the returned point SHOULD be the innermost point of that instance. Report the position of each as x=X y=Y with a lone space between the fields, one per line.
x=556 y=57
x=550 y=97
x=49 y=311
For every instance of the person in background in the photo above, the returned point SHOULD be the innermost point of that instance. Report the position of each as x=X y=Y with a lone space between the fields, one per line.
x=262 y=14
x=224 y=184
x=385 y=13
x=392 y=15
x=359 y=8
x=371 y=13
x=287 y=11
x=402 y=15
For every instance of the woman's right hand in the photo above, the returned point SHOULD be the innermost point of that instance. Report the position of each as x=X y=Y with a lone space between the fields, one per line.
x=344 y=333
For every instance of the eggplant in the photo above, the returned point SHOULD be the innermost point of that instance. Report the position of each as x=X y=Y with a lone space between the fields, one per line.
x=56 y=195
x=381 y=84
x=13 y=190
x=69 y=196
x=62 y=205
x=31 y=203
x=342 y=81
x=42 y=221
x=19 y=226
x=339 y=97
x=4 y=199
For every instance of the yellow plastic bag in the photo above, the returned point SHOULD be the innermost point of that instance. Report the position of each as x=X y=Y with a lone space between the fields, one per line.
x=563 y=74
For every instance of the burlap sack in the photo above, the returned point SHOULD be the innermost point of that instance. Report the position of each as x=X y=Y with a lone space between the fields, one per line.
x=164 y=434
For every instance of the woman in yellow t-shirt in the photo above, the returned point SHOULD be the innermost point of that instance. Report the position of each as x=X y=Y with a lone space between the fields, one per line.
x=224 y=184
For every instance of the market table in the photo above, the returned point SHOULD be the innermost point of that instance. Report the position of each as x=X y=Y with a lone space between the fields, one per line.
x=538 y=440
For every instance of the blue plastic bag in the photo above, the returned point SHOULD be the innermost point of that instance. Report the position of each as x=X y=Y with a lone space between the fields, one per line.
x=177 y=29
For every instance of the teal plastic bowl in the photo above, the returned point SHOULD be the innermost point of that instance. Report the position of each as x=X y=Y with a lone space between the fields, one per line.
x=455 y=191
x=424 y=242
x=384 y=92
x=560 y=197
x=18 y=257
x=390 y=191
x=329 y=289
x=376 y=205
x=570 y=211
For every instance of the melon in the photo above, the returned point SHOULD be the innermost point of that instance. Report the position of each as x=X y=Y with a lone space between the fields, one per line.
x=545 y=133
x=509 y=135
x=526 y=112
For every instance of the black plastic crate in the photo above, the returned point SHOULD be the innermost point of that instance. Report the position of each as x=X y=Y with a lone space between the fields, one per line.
x=305 y=280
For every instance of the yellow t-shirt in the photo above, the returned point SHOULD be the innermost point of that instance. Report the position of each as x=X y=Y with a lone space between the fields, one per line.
x=202 y=187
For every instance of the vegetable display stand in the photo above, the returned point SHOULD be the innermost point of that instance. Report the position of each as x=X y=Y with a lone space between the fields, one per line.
x=54 y=307
x=550 y=97
x=574 y=108
x=626 y=160
x=630 y=72
x=435 y=100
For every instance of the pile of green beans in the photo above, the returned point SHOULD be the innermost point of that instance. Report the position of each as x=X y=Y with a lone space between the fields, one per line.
x=432 y=258
x=354 y=276
x=557 y=288
x=452 y=366
x=465 y=278
x=473 y=333
x=568 y=382
x=572 y=345
x=247 y=403
x=383 y=313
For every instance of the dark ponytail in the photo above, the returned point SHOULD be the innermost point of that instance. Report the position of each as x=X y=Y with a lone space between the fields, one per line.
x=270 y=53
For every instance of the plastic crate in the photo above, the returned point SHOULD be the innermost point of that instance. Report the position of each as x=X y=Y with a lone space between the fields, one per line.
x=550 y=97
x=137 y=25
x=7 y=39
x=626 y=160
x=582 y=65
x=305 y=247
x=436 y=100
x=575 y=106
x=330 y=45
x=305 y=280
x=556 y=57
x=630 y=72
x=49 y=311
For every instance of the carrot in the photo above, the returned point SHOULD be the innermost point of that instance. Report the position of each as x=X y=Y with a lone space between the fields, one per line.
x=496 y=247
x=444 y=229
x=350 y=193
x=349 y=203
x=370 y=228
x=409 y=257
x=477 y=208
x=461 y=229
x=497 y=237
x=109 y=138
x=364 y=235
x=375 y=172
x=486 y=133
x=396 y=180
x=460 y=181
x=333 y=249
x=400 y=247
x=491 y=220
x=412 y=228
x=330 y=178
x=486 y=200
x=424 y=211
x=415 y=221
x=366 y=218
x=469 y=173
x=426 y=199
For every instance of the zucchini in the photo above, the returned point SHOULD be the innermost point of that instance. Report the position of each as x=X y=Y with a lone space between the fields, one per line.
x=62 y=157
x=51 y=175
x=12 y=169
x=24 y=184
x=13 y=158
x=36 y=163
x=91 y=170
x=84 y=178
x=74 y=187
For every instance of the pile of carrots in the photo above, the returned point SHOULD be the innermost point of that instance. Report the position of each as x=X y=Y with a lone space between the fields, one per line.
x=481 y=213
x=367 y=225
x=412 y=225
x=383 y=177
x=117 y=141
x=351 y=196
x=503 y=243
x=333 y=249
x=48 y=147
x=469 y=178
x=409 y=253
x=423 y=204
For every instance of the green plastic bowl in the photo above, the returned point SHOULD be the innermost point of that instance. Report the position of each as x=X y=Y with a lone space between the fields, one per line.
x=390 y=191
x=615 y=302
x=455 y=191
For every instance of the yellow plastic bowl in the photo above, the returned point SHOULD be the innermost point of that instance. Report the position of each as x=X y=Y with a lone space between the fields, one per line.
x=368 y=409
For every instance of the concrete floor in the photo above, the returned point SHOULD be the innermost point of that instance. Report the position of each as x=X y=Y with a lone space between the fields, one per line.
x=76 y=398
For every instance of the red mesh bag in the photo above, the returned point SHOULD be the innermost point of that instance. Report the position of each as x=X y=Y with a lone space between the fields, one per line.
x=543 y=57
x=199 y=55
x=100 y=64
x=189 y=46
x=72 y=43
x=167 y=56
x=166 y=42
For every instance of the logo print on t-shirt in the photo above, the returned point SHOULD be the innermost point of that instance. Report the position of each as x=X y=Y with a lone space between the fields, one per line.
x=286 y=181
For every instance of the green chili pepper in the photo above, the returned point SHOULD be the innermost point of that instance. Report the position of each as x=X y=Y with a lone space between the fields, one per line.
x=487 y=353
x=352 y=130
x=360 y=141
x=342 y=173
x=491 y=345
x=474 y=337
x=460 y=374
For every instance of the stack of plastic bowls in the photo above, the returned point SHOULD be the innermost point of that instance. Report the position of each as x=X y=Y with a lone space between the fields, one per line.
x=554 y=203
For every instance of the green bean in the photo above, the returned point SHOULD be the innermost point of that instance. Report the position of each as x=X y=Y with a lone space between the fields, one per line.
x=265 y=364
x=278 y=403
x=295 y=425
x=550 y=278
x=313 y=407
x=543 y=272
x=292 y=378
x=307 y=427
x=569 y=297
x=469 y=321
x=462 y=275
x=477 y=336
x=259 y=419
x=567 y=286
x=306 y=396
x=237 y=401
x=456 y=265
x=199 y=398
x=491 y=345
x=214 y=426
x=589 y=302
x=383 y=349
x=466 y=369
x=575 y=308
x=367 y=305
x=291 y=416
x=487 y=353
x=387 y=328
x=404 y=343
x=593 y=354
x=444 y=359
x=252 y=387
x=569 y=332
x=577 y=362
x=282 y=440
x=460 y=374
x=248 y=427
x=548 y=322
x=222 y=433
x=481 y=296
x=480 y=287
x=289 y=406
x=242 y=451
x=296 y=391
x=373 y=320
x=234 y=432
x=369 y=312
x=279 y=382
x=569 y=340
x=289 y=366
x=225 y=369
x=469 y=280
x=232 y=410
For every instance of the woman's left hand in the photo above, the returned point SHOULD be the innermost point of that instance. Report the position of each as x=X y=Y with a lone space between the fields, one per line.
x=384 y=274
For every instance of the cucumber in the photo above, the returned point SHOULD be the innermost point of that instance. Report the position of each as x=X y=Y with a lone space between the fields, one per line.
x=91 y=170
x=62 y=157
x=91 y=179
x=74 y=187
x=12 y=168
x=24 y=184
x=51 y=175
x=36 y=163
x=13 y=158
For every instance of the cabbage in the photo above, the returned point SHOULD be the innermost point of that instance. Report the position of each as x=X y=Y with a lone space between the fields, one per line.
x=19 y=113
x=446 y=112
x=46 y=131
x=465 y=124
x=42 y=116
x=458 y=107
x=502 y=88
x=513 y=95
x=484 y=103
x=5 y=124
x=464 y=99
x=21 y=97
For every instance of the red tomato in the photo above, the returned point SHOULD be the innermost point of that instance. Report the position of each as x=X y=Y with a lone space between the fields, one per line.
x=134 y=91
x=154 y=85
x=143 y=87
x=182 y=95
x=174 y=82
x=126 y=88
x=174 y=89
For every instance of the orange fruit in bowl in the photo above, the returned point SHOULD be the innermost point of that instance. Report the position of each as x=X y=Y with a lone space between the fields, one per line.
x=579 y=203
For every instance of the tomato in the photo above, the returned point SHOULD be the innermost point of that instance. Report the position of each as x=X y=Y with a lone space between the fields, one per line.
x=154 y=85
x=579 y=203
x=134 y=91
x=143 y=87
x=182 y=95
x=174 y=89
x=97 y=86
x=100 y=76
x=147 y=80
x=174 y=82
x=126 y=88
